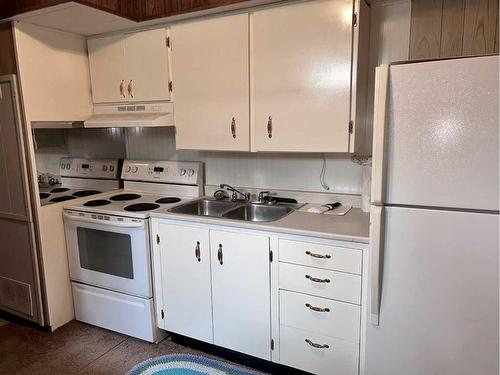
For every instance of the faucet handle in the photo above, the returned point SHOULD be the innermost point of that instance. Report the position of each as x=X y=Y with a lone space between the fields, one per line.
x=263 y=195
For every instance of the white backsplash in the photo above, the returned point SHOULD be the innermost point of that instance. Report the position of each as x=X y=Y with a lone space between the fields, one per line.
x=257 y=170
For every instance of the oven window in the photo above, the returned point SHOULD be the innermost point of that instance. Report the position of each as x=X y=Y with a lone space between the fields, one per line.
x=105 y=252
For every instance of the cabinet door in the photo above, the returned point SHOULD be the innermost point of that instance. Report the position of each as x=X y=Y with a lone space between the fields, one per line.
x=241 y=292
x=211 y=84
x=185 y=280
x=147 y=66
x=107 y=69
x=302 y=76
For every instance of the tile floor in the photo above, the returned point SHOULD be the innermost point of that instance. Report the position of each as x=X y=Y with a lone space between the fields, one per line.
x=76 y=348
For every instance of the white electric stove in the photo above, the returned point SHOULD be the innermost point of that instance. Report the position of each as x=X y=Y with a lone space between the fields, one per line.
x=109 y=250
x=81 y=178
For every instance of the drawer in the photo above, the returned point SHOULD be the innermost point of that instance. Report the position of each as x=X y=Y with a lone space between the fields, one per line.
x=322 y=283
x=339 y=358
x=320 y=315
x=323 y=256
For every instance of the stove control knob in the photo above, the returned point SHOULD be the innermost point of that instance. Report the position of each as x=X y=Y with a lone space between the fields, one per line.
x=63 y=166
x=182 y=171
x=127 y=169
x=134 y=169
x=104 y=168
x=111 y=168
x=190 y=172
x=68 y=166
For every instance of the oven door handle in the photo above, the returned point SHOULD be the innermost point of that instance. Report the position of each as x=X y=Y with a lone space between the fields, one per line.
x=110 y=223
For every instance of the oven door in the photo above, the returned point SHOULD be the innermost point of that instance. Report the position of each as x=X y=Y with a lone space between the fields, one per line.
x=109 y=252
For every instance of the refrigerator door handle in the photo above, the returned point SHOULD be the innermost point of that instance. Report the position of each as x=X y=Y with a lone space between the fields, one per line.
x=379 y=130
x=376 y=252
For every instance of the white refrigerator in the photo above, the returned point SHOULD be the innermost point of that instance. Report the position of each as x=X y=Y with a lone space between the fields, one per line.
x=434 y=256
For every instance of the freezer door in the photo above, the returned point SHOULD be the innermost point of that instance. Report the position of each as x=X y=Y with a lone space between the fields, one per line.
x=441 y=138
x=439 y=294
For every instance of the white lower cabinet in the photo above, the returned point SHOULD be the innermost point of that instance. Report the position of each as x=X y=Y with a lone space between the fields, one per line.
x=215 y=286
x=185 y=281
x=241 y=292
x=317 y=353
x=228 y=287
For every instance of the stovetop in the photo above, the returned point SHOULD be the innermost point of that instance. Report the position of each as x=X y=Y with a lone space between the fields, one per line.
x=60 y=193
x=128 y=203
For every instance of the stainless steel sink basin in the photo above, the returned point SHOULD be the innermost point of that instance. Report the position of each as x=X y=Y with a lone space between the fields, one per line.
x=205 y=207
x=257 y=212
x=233 y=210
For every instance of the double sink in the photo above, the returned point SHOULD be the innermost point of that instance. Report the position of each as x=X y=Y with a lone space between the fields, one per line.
x=236 y=210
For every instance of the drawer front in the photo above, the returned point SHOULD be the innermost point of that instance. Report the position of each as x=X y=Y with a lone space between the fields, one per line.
x=323 y=256
x=339 y=358
x=322 y=283
x=320 y=315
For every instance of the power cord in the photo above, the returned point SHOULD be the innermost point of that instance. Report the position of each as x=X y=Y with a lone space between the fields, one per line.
x=323 y=174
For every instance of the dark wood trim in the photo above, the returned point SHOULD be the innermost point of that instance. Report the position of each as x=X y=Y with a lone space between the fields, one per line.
x=136 y=10
x=7 y=51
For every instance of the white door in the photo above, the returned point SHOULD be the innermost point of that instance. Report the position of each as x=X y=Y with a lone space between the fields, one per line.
x=113 y=255
x=302 y=76
x=107 y=69
x=439 y=298
x=185 y=275
x=441 y=135
x=241 y=292
x=147 y=65
x=210 y=71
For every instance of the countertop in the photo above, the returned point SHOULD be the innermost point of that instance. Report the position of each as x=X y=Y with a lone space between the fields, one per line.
x=353 y=227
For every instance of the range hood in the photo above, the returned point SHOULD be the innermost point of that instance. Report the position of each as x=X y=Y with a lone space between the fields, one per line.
x=131 y=115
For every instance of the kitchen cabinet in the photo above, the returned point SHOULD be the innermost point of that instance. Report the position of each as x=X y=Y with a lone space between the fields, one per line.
x=129 y=67
x=241 y=294
x=210 y=69
x=302 y=76
x=320 y=309
x=185 y=281
x=214 y=286
x=288 y=78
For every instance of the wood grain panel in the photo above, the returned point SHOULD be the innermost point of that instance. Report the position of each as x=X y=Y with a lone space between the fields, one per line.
x=7 y=54
x=425 y=34
x=452 y=28
x=480 y=26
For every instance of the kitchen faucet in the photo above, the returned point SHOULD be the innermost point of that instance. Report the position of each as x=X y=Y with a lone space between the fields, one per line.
x=235 y=192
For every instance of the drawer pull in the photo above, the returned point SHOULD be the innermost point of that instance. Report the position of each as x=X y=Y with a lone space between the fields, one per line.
x=317 y=346
x=317 y=309
x=314 y=255
x=317 y=280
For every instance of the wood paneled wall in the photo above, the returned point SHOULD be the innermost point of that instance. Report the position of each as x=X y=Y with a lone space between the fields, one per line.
x=7 y=53
x=446 y=28
x=138 y=10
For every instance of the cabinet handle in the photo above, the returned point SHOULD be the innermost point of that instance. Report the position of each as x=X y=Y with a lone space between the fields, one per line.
x=317 y=346
x=317 y=309
x=220 y=255
x=314 y=255
x=317 y=280
x=270 y=127
x=129 y=89
x=122 y=87
x=233 y=128
x=197 y=251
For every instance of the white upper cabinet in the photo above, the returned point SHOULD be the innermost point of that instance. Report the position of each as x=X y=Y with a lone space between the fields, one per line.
x=129 y=67
x=147 y=65
x=210 y=70
x=302 y=56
